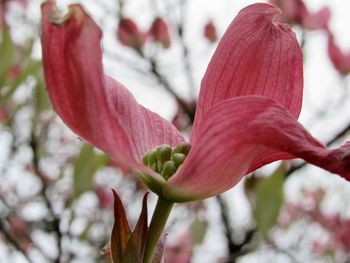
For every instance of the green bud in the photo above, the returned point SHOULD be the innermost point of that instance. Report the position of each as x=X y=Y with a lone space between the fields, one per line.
x=154 y=167
x=168 y=170
x=164 y=153
x=152 y=157
x=183 y=148
x=145 y=159
x=159 y=165
x=178 y=158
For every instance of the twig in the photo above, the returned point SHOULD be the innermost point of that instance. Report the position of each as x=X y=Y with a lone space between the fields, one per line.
x=55 y=223
x=166 y=85
x=235 y=250
x=281 y=250
x=226 y=221
x=185 y=51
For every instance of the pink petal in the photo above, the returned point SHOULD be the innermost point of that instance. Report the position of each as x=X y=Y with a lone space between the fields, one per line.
x=95 y=106
x=317 y=20
x=293 y=11
x=340 y=59
x=242 y=134
x=256 y=56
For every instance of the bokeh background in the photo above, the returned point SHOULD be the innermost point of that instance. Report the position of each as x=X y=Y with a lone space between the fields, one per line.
x=55 y=190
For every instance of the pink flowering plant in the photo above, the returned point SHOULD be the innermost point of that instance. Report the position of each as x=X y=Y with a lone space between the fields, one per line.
x=246 y=116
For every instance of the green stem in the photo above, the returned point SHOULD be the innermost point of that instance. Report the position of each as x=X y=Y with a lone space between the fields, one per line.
x=159 y=219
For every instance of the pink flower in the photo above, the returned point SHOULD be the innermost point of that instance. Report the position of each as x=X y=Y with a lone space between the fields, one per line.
x=15 y=71
x=339 y=58
x=246 y=116
x=317 y=20
x=210 y=32
x=160 y=32
x=105 y=196
x=295 y=12
x=129 y=34
x=180 y=251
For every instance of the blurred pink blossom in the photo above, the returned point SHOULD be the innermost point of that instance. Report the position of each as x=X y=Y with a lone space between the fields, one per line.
x=159 y=31
x=296 y=12
x=129 y=34
x=339 y=58
x=210 y=32
x=180 y=251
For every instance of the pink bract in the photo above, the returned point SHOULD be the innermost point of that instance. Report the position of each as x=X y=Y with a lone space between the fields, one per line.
x=246 y=116
x=296 y=12
x=339 y=58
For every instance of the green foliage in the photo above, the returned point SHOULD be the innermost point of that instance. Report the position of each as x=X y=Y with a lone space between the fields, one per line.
x=269 y=200
x=7 y=51
x=42 y=101
x=85 y=166
x=198 y=230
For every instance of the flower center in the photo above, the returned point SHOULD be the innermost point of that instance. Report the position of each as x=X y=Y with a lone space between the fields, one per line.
x=166 y=160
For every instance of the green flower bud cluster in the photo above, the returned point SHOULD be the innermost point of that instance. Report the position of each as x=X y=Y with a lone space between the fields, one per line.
x=166 y=160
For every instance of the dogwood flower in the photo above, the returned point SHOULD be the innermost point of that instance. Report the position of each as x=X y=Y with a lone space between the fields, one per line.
x=246 y=117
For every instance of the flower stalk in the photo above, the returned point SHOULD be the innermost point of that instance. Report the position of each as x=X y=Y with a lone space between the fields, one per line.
x=158 y=221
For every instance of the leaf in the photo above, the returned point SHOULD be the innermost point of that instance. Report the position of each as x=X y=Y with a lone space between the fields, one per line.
x=87 y=163
x=42 y=101
x=121 y=231
x=7 y=49
x=137 y=243
x=158 y=254
x=198 y=230
x=269 y=200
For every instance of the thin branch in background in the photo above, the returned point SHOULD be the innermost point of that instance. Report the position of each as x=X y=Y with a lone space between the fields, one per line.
x=280 y=250
x=166 y=85
x=185 y=51
x=234 y=250
x=55 y=223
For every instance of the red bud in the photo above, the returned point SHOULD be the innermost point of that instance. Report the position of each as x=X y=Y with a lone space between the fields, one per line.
x=129 y=34
x=160 y=32
x=210 y=32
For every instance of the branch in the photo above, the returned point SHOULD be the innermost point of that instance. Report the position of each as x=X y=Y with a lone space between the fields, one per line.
x=55 y=223
x=235 y=250
x=166 y=85
x=185 y=51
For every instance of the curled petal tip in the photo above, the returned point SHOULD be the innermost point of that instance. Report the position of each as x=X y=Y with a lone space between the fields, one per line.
x=264 y=9
x=57 y=17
